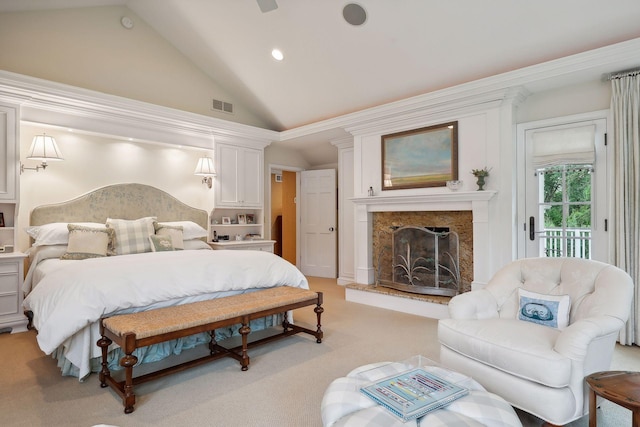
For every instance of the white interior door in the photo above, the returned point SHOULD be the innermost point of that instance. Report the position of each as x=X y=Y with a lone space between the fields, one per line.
x=318 y=198
x=565 y=208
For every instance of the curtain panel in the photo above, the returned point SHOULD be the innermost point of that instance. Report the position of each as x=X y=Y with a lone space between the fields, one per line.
x=625 y=107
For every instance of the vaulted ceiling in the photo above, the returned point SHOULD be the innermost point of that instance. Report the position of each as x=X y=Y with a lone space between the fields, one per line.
x=404 y=47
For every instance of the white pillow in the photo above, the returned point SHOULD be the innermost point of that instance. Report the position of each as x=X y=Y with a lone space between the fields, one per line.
x=195 y=244
x=547 y=310
x=55 y=233
x=190 y=230
x=132 y=236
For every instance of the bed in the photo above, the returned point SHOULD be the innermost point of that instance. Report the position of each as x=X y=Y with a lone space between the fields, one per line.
x=126 y=248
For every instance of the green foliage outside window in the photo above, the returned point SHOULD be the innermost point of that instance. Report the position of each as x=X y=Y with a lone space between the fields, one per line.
x=578 y=197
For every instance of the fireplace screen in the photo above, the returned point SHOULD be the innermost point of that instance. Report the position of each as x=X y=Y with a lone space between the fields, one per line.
x=424 y=260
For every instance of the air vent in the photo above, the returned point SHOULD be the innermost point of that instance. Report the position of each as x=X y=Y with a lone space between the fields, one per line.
x=225 y=107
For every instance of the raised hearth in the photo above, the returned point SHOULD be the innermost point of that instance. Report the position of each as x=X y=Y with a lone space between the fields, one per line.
x=432 y=306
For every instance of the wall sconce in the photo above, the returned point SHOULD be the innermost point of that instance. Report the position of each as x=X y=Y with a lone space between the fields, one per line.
x=205 y=169
x=43 y=148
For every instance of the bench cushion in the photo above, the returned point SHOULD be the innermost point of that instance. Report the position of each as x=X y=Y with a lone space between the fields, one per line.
x=170 y=319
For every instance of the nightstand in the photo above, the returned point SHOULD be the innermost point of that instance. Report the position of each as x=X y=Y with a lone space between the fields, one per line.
x=244 y=245
x=11 y=275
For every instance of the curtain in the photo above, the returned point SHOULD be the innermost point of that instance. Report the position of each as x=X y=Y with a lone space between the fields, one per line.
x=625 y=107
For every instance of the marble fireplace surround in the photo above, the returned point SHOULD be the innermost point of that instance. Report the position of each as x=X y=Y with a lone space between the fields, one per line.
x=475 y=201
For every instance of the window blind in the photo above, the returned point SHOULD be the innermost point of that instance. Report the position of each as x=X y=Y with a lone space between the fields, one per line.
x=575 y=145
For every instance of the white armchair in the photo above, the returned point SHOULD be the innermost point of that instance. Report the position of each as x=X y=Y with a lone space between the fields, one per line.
x=539 y=369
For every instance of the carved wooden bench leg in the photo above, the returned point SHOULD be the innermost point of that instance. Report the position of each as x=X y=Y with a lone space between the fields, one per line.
x=244 y=331
x=319 y=310
x=127 y=362
x=104 y=344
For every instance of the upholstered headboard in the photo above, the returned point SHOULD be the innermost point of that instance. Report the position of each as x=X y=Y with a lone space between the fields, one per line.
x=124 y=201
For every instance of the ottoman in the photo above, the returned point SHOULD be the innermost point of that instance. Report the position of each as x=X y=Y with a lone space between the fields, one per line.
x=344 y=405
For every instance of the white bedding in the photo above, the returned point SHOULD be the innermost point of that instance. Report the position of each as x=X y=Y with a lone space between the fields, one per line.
x=70 y=299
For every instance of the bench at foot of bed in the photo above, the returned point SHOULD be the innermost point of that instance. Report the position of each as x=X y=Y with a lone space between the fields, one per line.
x=135 y=330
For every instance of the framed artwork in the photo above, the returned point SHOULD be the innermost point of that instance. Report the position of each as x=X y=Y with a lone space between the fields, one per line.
x=226 y=220
x=251 y=219
x=425 y=157
x=242 y=219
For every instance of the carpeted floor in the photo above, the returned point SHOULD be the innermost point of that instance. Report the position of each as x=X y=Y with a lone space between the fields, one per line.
x=283 y=387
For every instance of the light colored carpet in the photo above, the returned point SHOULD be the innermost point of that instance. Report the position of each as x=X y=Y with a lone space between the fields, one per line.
x=283 y=387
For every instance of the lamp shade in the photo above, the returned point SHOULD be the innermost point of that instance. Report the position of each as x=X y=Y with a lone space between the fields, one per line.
x=205 y=167
x=44 y=148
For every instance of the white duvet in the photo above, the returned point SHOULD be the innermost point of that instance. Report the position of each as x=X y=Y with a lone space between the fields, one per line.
x=68 y=302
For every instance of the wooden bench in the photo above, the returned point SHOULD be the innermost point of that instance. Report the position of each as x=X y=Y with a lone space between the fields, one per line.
x=135 y=330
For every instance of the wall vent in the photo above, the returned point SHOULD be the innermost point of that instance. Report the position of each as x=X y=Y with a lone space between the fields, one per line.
x=225 y=107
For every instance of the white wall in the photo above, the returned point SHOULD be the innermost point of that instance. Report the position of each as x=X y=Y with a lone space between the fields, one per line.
x=89 y=48
x=565 y=101
x=94 y=161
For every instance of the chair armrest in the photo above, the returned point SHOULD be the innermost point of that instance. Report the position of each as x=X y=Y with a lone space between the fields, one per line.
x=479 y=304
x=574 y=341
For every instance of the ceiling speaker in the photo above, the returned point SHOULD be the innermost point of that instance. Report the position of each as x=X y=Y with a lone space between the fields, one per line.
x=354 y=14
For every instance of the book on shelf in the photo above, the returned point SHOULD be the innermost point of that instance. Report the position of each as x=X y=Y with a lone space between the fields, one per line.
x=414 y=393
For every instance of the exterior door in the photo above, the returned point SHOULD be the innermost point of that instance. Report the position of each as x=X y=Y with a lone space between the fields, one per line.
x=566 y=198
x=318 y=194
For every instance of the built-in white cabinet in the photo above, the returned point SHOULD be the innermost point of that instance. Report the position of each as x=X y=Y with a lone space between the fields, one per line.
x=239 y=180
x=9 y=169
x=238 y=228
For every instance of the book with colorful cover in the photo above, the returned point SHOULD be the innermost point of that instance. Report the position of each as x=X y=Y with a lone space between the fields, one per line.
x=414 y=393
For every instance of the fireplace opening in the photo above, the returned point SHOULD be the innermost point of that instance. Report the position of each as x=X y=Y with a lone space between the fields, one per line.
x=424 y=260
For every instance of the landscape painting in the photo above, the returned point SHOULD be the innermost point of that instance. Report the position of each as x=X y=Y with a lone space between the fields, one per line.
x=425 y=157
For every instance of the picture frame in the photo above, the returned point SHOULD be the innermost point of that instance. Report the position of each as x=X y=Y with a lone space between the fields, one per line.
x=226 y=220
x=242 y=219
x=251 y=219
x=425 y=157
x=1 y=219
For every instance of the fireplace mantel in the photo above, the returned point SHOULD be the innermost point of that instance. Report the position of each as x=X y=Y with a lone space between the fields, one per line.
x=450 y=201
x=475 y=201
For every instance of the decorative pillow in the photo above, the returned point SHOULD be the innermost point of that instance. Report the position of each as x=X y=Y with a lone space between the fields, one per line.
x=548 y=310
x=55 y=233
x=161 y=243
x=190 y=229
x=173 y=231
x=87 y=242
x=132 y=236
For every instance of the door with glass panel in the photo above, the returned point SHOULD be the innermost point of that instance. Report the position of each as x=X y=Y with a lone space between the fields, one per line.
x=566 y=190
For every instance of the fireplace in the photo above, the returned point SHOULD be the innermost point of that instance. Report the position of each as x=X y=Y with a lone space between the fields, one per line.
x=465 y=212
x=459 y=223
x=424 y=260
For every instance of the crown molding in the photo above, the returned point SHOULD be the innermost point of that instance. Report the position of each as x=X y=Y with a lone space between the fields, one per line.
x=56 y=104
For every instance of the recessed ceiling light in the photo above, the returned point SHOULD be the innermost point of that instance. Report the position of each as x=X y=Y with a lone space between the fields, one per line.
x=277 y=54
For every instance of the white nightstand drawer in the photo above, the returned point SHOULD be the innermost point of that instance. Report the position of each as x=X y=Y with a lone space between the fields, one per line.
x=9 y=283
x=8 y=304
x=8 y=267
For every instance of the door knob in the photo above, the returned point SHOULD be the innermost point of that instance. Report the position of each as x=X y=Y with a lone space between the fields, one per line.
x=331 y=228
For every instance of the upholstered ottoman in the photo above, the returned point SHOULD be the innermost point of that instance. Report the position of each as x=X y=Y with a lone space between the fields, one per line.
x=344 y=405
